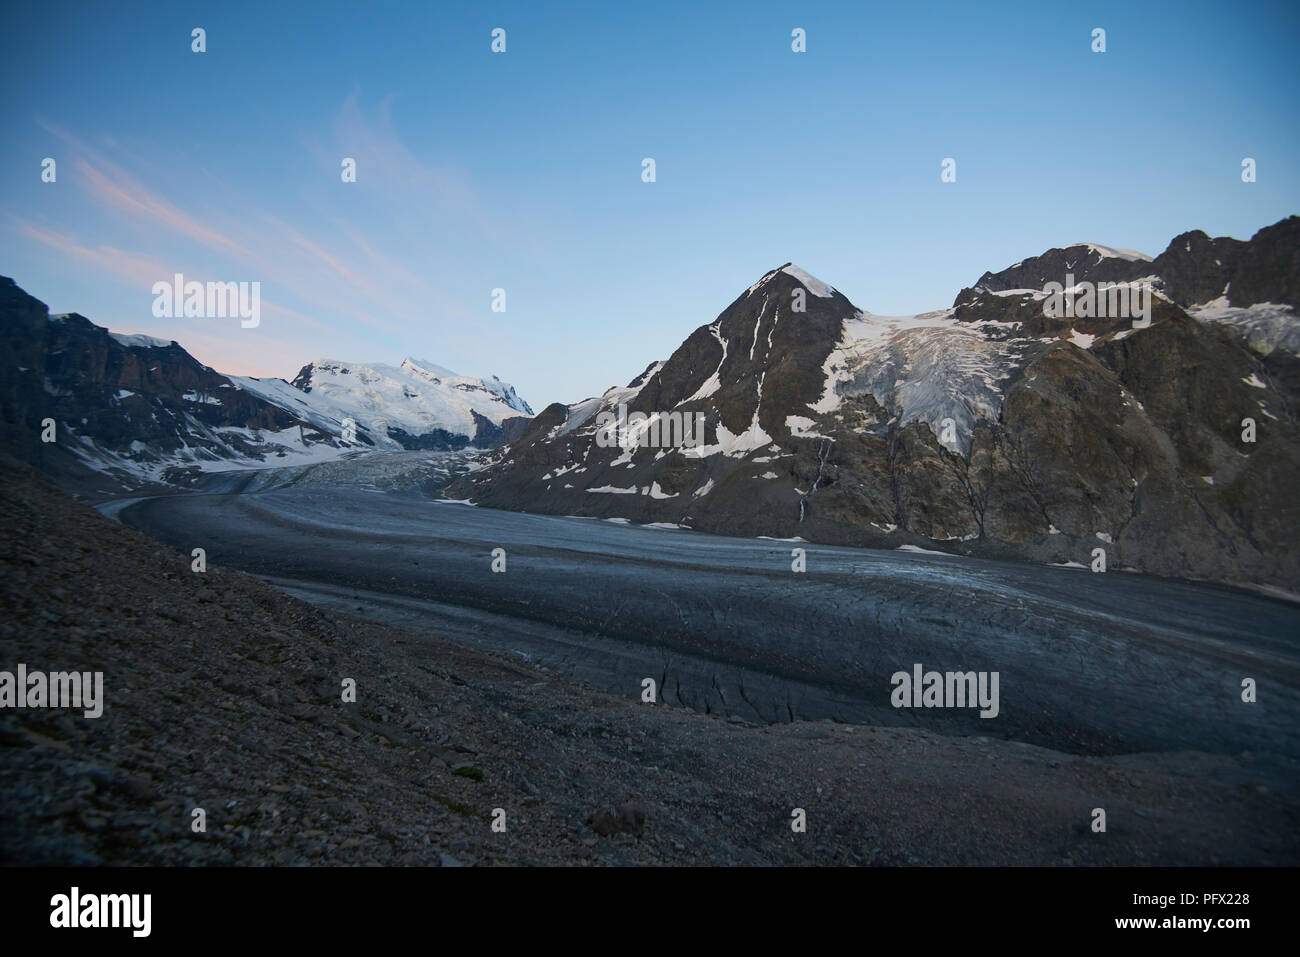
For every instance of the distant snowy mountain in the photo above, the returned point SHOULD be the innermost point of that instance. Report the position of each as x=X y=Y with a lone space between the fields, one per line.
x=138 y=408
x=416 y=405
x=990 y=427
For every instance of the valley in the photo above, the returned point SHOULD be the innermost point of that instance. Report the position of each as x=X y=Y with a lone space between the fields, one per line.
x=1089 y=663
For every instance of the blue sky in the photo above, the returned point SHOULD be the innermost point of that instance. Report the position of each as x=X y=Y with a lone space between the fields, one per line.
x=522 y=170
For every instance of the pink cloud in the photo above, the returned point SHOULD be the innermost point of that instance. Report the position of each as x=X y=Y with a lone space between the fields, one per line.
x=135 y=199
x=139 y=270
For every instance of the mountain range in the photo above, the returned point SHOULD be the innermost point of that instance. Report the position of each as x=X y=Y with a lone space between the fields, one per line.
x=997 y=426
x=130 y=409
x=990 y=427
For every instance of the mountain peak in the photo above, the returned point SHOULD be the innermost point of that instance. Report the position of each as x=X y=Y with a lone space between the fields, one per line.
x=412 y=364
x=810 y=282
x=1110 y=252
x=806 y=279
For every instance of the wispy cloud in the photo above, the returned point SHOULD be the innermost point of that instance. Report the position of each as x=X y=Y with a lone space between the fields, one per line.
x=136 y=269
x=356 y=266
x=442 y=190
x=123 y=193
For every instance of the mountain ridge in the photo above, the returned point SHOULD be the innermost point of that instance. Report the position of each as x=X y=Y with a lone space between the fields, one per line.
x=991 y=427
x=134 y=408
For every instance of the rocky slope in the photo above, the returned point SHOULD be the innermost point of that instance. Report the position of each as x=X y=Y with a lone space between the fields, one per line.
x=1193 y=269
x=992 y=427
x=130 y=408
x=224 y=694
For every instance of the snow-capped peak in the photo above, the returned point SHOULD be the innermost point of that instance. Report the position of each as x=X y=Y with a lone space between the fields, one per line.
x=424 y=367
x=1109 y=252
x=140 y=341
x=810 y=282
x=417 y=397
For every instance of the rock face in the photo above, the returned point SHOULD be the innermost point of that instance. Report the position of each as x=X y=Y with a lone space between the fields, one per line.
x=990 y=428
x=1193 y=269
x=132 y=406
x=135 y=408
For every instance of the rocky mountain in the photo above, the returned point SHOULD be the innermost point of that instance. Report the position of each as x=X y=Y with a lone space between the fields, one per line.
x=1193 y=269
x=996 y=427
x=133 y=409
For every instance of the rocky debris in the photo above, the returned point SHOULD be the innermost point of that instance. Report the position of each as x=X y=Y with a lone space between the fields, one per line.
x=224 y=695
x=627 y=818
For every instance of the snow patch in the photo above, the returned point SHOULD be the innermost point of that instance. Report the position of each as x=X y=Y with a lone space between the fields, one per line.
x=1265 y=326
x=713 y=383
x=140 y=341
x=801 y=426
x=925 y=551
x=811 y=283
x=1109 y=252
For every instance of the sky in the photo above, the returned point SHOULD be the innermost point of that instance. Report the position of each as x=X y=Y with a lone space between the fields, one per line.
x=522 y=170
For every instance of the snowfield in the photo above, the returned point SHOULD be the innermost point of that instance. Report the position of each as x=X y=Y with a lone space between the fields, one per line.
x=416 y=397
x=1107 y=252
x=1265 y=326
x=927 y=367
